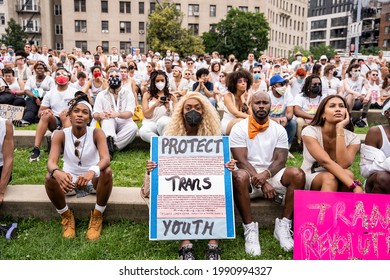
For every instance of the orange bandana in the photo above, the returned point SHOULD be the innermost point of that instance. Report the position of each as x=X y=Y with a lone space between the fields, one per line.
x=254 y=127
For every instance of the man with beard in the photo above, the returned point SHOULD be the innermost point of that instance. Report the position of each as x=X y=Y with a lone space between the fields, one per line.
x=260 y=147
x=53 y=110
x=114 y=108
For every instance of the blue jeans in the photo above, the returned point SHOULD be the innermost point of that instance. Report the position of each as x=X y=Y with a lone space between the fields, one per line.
x=291 y=129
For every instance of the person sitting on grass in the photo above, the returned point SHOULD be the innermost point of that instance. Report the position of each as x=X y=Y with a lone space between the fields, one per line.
x=375 y=156
x=329 y=148
x=53 y=110
x=6 y=155
x=86 y=168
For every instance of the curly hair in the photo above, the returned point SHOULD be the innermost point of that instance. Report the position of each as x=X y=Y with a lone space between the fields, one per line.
x=210 y=125
x=232 y=78
x=153 y=89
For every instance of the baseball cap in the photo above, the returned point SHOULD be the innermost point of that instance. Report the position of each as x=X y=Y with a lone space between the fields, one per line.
x=276 y=79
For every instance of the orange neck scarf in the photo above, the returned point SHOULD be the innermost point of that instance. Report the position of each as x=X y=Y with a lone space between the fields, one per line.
x=254 y=127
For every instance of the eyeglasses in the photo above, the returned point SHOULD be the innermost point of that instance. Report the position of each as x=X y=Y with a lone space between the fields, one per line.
x=243 y=80
x=256 y=72
x=76 y=151
x=222 y=76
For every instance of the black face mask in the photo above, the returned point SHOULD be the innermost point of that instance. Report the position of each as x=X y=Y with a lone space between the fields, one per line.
x=316 y=90
x=231 y=60
x=131 y=67
x=193 y=118
x=114 y=82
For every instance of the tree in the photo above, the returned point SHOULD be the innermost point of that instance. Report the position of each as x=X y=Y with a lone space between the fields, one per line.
x=239 y=33
x=322 y=49
x=296 y=49
x=369 y=50
x=15 y=36
x=165 y=32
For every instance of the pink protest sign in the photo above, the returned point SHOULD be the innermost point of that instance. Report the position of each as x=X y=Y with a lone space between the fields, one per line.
x=341 y=226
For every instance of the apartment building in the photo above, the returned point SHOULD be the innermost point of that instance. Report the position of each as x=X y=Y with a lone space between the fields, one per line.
x=63 y=24
x=384 y=33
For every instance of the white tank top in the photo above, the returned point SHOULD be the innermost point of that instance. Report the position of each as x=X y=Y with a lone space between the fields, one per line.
x=89 y=155
x=385 y=142
x=2 y=136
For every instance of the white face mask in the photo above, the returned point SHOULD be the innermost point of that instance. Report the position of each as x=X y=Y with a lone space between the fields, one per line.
x=355 y=74
x=160 y=85
x=281 y=90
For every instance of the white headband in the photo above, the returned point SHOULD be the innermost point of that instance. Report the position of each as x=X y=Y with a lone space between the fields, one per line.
x=87 y=104
x=385 y=108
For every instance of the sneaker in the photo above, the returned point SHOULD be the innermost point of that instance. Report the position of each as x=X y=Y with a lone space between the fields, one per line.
x=364 y=120
x=36 y=152
x=20 y=123
x=213 y=252
x=187 y=253
x=95 y=225
x=283 y=234
x=252 y=243
x=68 y=224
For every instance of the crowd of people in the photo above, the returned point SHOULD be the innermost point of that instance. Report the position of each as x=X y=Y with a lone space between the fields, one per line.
x=89 y=100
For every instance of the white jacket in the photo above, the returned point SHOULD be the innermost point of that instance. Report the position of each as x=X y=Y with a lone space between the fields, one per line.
x=372 y=160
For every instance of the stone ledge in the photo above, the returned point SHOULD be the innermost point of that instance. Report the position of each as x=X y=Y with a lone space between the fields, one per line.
x=28 y=201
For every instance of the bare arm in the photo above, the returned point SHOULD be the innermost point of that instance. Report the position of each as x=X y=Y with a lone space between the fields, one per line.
x=228 y=101
x=302 y=114
x=8 y=155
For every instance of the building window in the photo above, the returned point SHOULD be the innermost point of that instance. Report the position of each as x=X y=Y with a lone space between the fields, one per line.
x=243 y=8
x=387 y=29
x=125 y=7
x=83 y=45
x=193 y=10
x=104 y=26
x=388 y=17
x=80 y=26
x=212 y=28
x=178 y=7
x=317 y=35
x=79 y=6
x=141 y=8
x=104 y=6
x=1 y=2
x=152 y=7
x=59 y=46
x=229 y=8
x=257 y=9
x=142 y=47
x=213 y=11
x=58 y=29
x=125 y=27
x=57 y=10
x=141 y=27
x=194 y=28
x=125 y=46
x=105 y=46
x=317 y=24
x=2 y=19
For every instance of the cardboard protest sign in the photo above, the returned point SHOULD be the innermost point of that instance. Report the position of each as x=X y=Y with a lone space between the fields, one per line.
x=191 y=190
x=11 y=112
x=341 y=226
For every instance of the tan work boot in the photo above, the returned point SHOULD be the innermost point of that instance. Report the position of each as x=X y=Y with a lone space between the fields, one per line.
x=95 y=225
x=68 y=224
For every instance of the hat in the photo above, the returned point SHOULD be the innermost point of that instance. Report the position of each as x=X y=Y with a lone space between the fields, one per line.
x=276 y=79
x=323 y=57
x=157 y=53
x=178 y=69
x=297 y=53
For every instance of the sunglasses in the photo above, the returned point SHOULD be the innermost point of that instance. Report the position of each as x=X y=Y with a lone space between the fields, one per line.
x=190 y=63
x=374 y=75
x=221 y=76
x=243 y=80
x=256 y=72
x=76 y=151
x=356 y=71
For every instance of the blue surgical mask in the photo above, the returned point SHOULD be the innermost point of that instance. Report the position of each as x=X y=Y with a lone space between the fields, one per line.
x=256 y=76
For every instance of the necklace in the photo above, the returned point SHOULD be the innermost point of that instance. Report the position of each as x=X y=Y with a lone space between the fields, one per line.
x=76 y=151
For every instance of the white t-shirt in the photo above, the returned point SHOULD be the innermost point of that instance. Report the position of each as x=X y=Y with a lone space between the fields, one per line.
x=261 y=148
x=58 y=101
x=374 y=92
x=279 y=105
x=330 y=87
x=308 y=105
x=105 y=101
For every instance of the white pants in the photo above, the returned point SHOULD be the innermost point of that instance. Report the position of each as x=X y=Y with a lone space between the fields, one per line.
x=122 y=130
x=151 y=128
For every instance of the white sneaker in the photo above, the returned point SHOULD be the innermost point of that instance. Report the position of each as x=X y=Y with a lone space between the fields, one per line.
x=282 y=233
x=252 y=243
x=365 y=121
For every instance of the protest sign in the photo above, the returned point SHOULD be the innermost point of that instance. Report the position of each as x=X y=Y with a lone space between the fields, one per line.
x=11 y=112
x=341 y=226
x=191 y=190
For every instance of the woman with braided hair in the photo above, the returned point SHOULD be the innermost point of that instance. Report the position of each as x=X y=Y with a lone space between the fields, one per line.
x=86 y=167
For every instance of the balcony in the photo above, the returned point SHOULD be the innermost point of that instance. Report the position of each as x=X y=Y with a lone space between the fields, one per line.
x=32 y=30
x=27 y=8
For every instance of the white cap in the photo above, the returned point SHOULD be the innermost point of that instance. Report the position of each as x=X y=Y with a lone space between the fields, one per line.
x=323 y=57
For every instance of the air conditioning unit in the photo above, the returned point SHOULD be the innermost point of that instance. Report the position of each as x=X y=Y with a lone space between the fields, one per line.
x=105 y=31
x=196 y=14
x=84 y=30
x=142 y=32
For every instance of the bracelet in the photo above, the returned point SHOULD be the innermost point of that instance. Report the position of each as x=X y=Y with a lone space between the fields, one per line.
x=51 y=173
x=339 y=134
x=95 y=169
x=355 y=183
x=269 y=172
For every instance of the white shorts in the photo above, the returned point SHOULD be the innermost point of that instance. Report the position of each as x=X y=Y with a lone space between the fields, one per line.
x=275 y=181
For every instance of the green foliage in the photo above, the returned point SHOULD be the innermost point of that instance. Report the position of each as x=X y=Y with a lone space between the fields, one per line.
x=322 y=49
x=165 y=32
x=15 y=36
x=369 y=51
x=239 y=33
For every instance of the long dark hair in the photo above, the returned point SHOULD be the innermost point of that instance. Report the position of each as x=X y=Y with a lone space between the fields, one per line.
x=232 y=78
x=319 y=121
x=153 y=90
x=307 y=84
